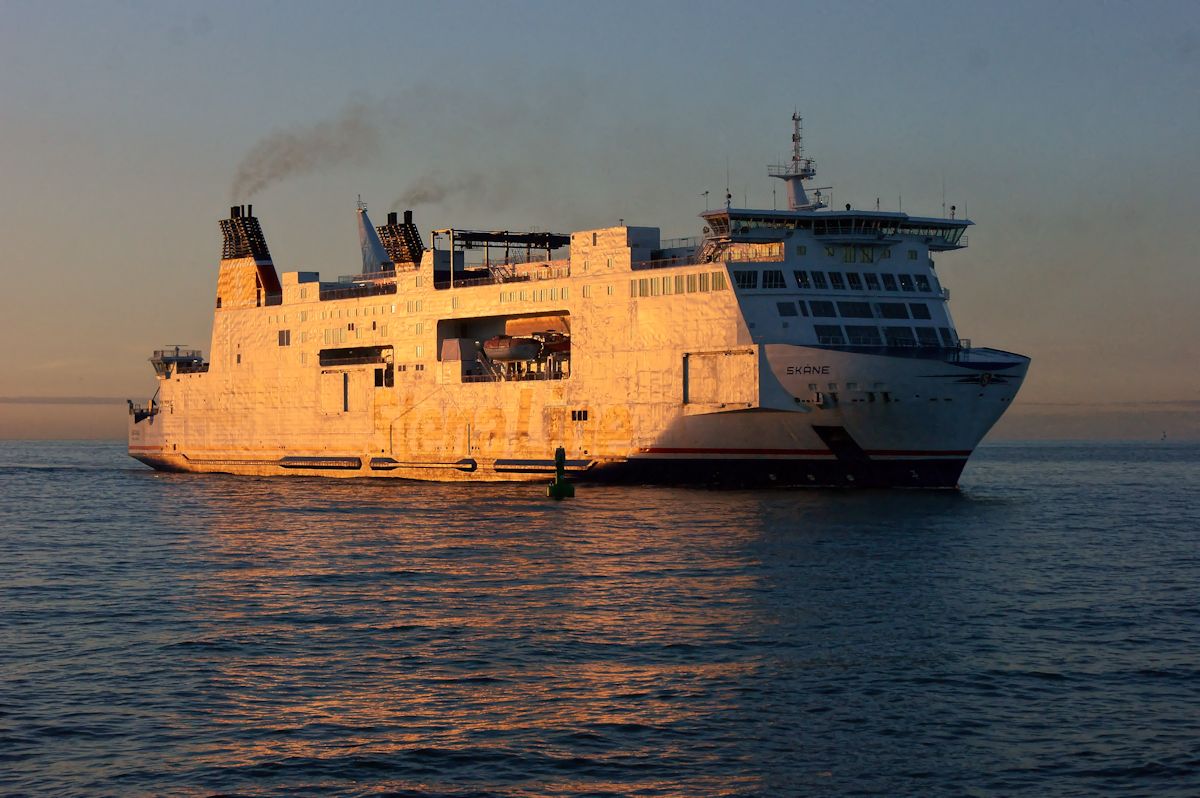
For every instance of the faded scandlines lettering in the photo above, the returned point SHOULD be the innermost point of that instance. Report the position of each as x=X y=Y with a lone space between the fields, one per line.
x=808 y=369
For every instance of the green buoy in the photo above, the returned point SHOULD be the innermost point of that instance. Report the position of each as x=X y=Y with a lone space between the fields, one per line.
x=560 y=489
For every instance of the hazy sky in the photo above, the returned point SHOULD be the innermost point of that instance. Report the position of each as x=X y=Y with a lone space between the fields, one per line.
x=1069 y=132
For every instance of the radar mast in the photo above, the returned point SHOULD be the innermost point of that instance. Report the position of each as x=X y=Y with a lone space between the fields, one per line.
x=799 y=169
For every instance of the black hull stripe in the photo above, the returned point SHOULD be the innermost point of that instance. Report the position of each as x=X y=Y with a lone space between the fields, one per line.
x=735 y=473
x=790 y=473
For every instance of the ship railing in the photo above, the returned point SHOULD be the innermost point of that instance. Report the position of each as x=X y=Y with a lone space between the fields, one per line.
x=698 y=258
x=493 y=280
x=369 y=289
x=191 y=368
x=681 y=243
x=528 y=376
x=142 y=412
x=369 y=277
x=541 y=270
x=765 y=258
x=549 y=272
x=176 y=352
x=663 y=263
x=963 y=348
x=890 y=343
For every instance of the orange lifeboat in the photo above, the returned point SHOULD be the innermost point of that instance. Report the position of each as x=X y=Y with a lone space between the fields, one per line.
x=505 y=347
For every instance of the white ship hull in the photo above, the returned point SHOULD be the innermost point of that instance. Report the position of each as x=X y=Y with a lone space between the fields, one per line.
x=766 y=427
x=788 y=348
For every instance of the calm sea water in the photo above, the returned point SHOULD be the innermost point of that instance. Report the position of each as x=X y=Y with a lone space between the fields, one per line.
x=1035 y=633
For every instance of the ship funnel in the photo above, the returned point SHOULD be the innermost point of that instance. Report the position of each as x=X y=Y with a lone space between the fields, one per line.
x=247 y=276
x=243 y=236
x=374 y=256
x=402 y=240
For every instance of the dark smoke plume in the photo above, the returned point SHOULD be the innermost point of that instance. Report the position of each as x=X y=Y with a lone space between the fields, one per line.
x=353 y=136
x=432 y=188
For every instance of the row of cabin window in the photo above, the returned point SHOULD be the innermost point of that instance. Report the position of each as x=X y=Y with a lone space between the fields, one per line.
x=854 y=310
x=851 y=254
x=865 y=335
x=337 y=335
x=837 y=281
x=534 y=295
x=678 y=284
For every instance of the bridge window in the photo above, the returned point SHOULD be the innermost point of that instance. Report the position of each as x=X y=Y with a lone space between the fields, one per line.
x=829 y=334
x=928 y=336
x=825 y=309
x=872 y=281
x=919 y=310
x=745 y=279
x=861 y=335
x=889 y=282
x=802 y=280
x=819 y=281
x=773 y=278
x=786 y=308
x=835 y=280
x=899 y=336
x=906 y=282
x=855 y=310
x=893 y=310
x=923 y=283
x=854 y=280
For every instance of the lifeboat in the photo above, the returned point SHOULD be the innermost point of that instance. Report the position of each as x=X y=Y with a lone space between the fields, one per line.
x=555 y=343
x=505 y=347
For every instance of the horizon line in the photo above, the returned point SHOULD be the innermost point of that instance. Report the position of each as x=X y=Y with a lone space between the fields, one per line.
x=61 y=400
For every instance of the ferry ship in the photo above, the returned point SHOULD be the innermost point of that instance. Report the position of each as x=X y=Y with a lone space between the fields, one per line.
x=798 y=347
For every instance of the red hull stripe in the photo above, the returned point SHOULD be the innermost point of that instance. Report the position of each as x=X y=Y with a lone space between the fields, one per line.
x=808 y=452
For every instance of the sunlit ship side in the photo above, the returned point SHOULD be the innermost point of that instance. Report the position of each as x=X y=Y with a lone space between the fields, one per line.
x=798 y=347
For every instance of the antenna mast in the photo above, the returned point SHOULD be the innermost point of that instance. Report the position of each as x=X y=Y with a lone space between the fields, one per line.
x=797 y=171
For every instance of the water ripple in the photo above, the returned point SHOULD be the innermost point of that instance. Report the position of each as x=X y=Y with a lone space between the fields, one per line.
x=1032 y=634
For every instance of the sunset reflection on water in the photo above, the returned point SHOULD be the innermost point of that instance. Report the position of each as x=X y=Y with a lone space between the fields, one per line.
x=206 y=635
x=415 y=629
